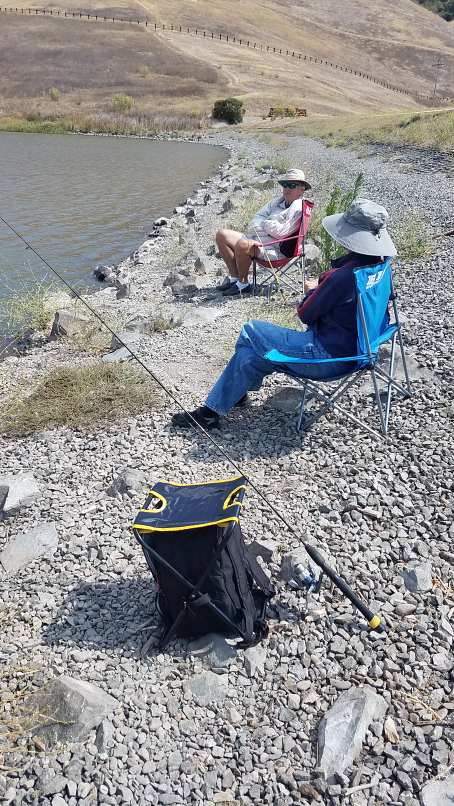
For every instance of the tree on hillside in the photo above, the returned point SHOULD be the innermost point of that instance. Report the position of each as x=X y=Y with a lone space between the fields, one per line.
x=443 y=7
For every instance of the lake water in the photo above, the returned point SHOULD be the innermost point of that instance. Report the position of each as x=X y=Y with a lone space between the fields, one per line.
x=84 y=200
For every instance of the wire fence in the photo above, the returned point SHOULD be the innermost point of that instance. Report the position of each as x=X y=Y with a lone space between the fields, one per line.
x=230 y=39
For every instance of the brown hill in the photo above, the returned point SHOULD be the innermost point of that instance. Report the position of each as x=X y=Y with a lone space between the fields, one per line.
x=88 y=62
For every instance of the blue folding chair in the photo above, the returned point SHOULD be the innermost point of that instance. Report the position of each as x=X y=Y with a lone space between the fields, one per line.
x=374 y=292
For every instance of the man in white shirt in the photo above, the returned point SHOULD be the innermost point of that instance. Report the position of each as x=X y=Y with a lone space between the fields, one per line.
x=275 y=221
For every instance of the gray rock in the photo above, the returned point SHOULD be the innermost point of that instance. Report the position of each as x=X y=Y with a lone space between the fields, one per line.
x=17 y=492
x=287 y=399
x=207 y=687
x=199 y=266
x=66 y=710
x=104 y=736
x=227 y=206
x=123 y=285
x=172 y=278
x=214 y=649
x=50 y=784
x=68 y=322
x=184 y=287
x=264 y=548
x=42 y=541
x=312 y=253
x=438 y=792
x=117 y=357
x=139 y=324
x=161 y=222
x=128 y=337
x=192 y=316
x=128 y=481
x=343 y=728
x=443 y=662
x=254 y=660
x=418 y=576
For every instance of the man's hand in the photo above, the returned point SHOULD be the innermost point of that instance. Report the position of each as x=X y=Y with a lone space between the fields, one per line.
x=254 y=247
x=309 y=285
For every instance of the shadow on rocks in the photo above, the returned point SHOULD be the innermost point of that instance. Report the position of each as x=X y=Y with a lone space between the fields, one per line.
x=257 y=431
x=106 y=615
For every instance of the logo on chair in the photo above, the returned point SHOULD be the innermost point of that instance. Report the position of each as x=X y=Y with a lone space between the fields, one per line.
x=373 y=279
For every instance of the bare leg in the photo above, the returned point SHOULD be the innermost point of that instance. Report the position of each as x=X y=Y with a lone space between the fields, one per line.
x=226 y=240
x=244 y=250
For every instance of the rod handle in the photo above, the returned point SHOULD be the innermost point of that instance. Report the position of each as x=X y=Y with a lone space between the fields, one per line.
x=373 y=619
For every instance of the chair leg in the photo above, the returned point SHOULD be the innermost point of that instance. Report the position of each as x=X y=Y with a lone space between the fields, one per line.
x=302 y=409
x=404 y=363
x=390 y=382
x=378 y=402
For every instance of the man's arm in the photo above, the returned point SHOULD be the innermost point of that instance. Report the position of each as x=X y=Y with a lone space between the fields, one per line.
x=260 y=216
x=285 y=222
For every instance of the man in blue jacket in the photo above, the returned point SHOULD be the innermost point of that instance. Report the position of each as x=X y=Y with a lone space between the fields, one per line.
x=328 y=309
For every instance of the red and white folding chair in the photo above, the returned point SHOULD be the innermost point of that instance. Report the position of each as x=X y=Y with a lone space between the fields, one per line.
x=278 y=271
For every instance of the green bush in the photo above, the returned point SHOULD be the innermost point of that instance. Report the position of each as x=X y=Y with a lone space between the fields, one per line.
x=229 y=109
x=122 y=102
x=338 y=202
x=54 y=94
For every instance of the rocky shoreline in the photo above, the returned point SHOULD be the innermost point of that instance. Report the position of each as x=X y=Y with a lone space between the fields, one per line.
x=323 y=711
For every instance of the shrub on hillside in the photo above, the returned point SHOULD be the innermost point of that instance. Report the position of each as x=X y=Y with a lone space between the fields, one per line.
x=54 y=94
x=229 y=109
x=122 y=102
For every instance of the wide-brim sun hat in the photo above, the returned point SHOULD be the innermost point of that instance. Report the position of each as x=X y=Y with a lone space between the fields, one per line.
x=362 y=229
x=295 y=175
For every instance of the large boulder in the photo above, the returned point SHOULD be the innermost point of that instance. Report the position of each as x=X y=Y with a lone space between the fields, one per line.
x=69 y=322
x=343 y=728
x=207 y=687
x=438 y=792
x=418 y=576
x=128 y=337
x=42 y=541
x=128 y=481
x=66 y=710
x=17 y=492
x=184 y=287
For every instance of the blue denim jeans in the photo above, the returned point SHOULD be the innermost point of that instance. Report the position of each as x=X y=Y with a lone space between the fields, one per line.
x=247 y=368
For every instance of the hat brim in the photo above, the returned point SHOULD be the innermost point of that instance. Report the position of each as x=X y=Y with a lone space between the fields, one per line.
x=303 y=182
x=359 y=240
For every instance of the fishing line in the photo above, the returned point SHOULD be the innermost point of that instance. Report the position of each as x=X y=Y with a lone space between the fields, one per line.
x=374 y=621
x=157 y=380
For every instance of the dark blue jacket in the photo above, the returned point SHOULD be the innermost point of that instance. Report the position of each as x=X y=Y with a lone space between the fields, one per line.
x=330 y=309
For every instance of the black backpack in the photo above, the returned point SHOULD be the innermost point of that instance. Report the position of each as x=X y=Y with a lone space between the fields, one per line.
x=188 y=541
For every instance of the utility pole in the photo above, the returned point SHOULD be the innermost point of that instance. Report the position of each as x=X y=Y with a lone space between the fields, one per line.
x=438 y=65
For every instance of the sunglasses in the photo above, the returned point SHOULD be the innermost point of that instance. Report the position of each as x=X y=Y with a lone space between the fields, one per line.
x=290 y=185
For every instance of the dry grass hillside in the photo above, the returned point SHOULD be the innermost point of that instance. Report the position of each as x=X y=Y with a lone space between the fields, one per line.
x=181 y=75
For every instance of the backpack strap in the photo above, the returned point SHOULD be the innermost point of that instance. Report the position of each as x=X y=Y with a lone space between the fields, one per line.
x=258 y=575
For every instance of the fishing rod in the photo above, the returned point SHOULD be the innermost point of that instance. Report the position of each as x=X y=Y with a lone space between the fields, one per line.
x=445 y=234
x=308 y=581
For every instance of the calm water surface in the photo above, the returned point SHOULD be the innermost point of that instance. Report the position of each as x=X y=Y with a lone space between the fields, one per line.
x=87 y=200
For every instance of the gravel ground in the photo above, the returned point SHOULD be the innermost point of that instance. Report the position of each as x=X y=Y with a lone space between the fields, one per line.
x=376 y=506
